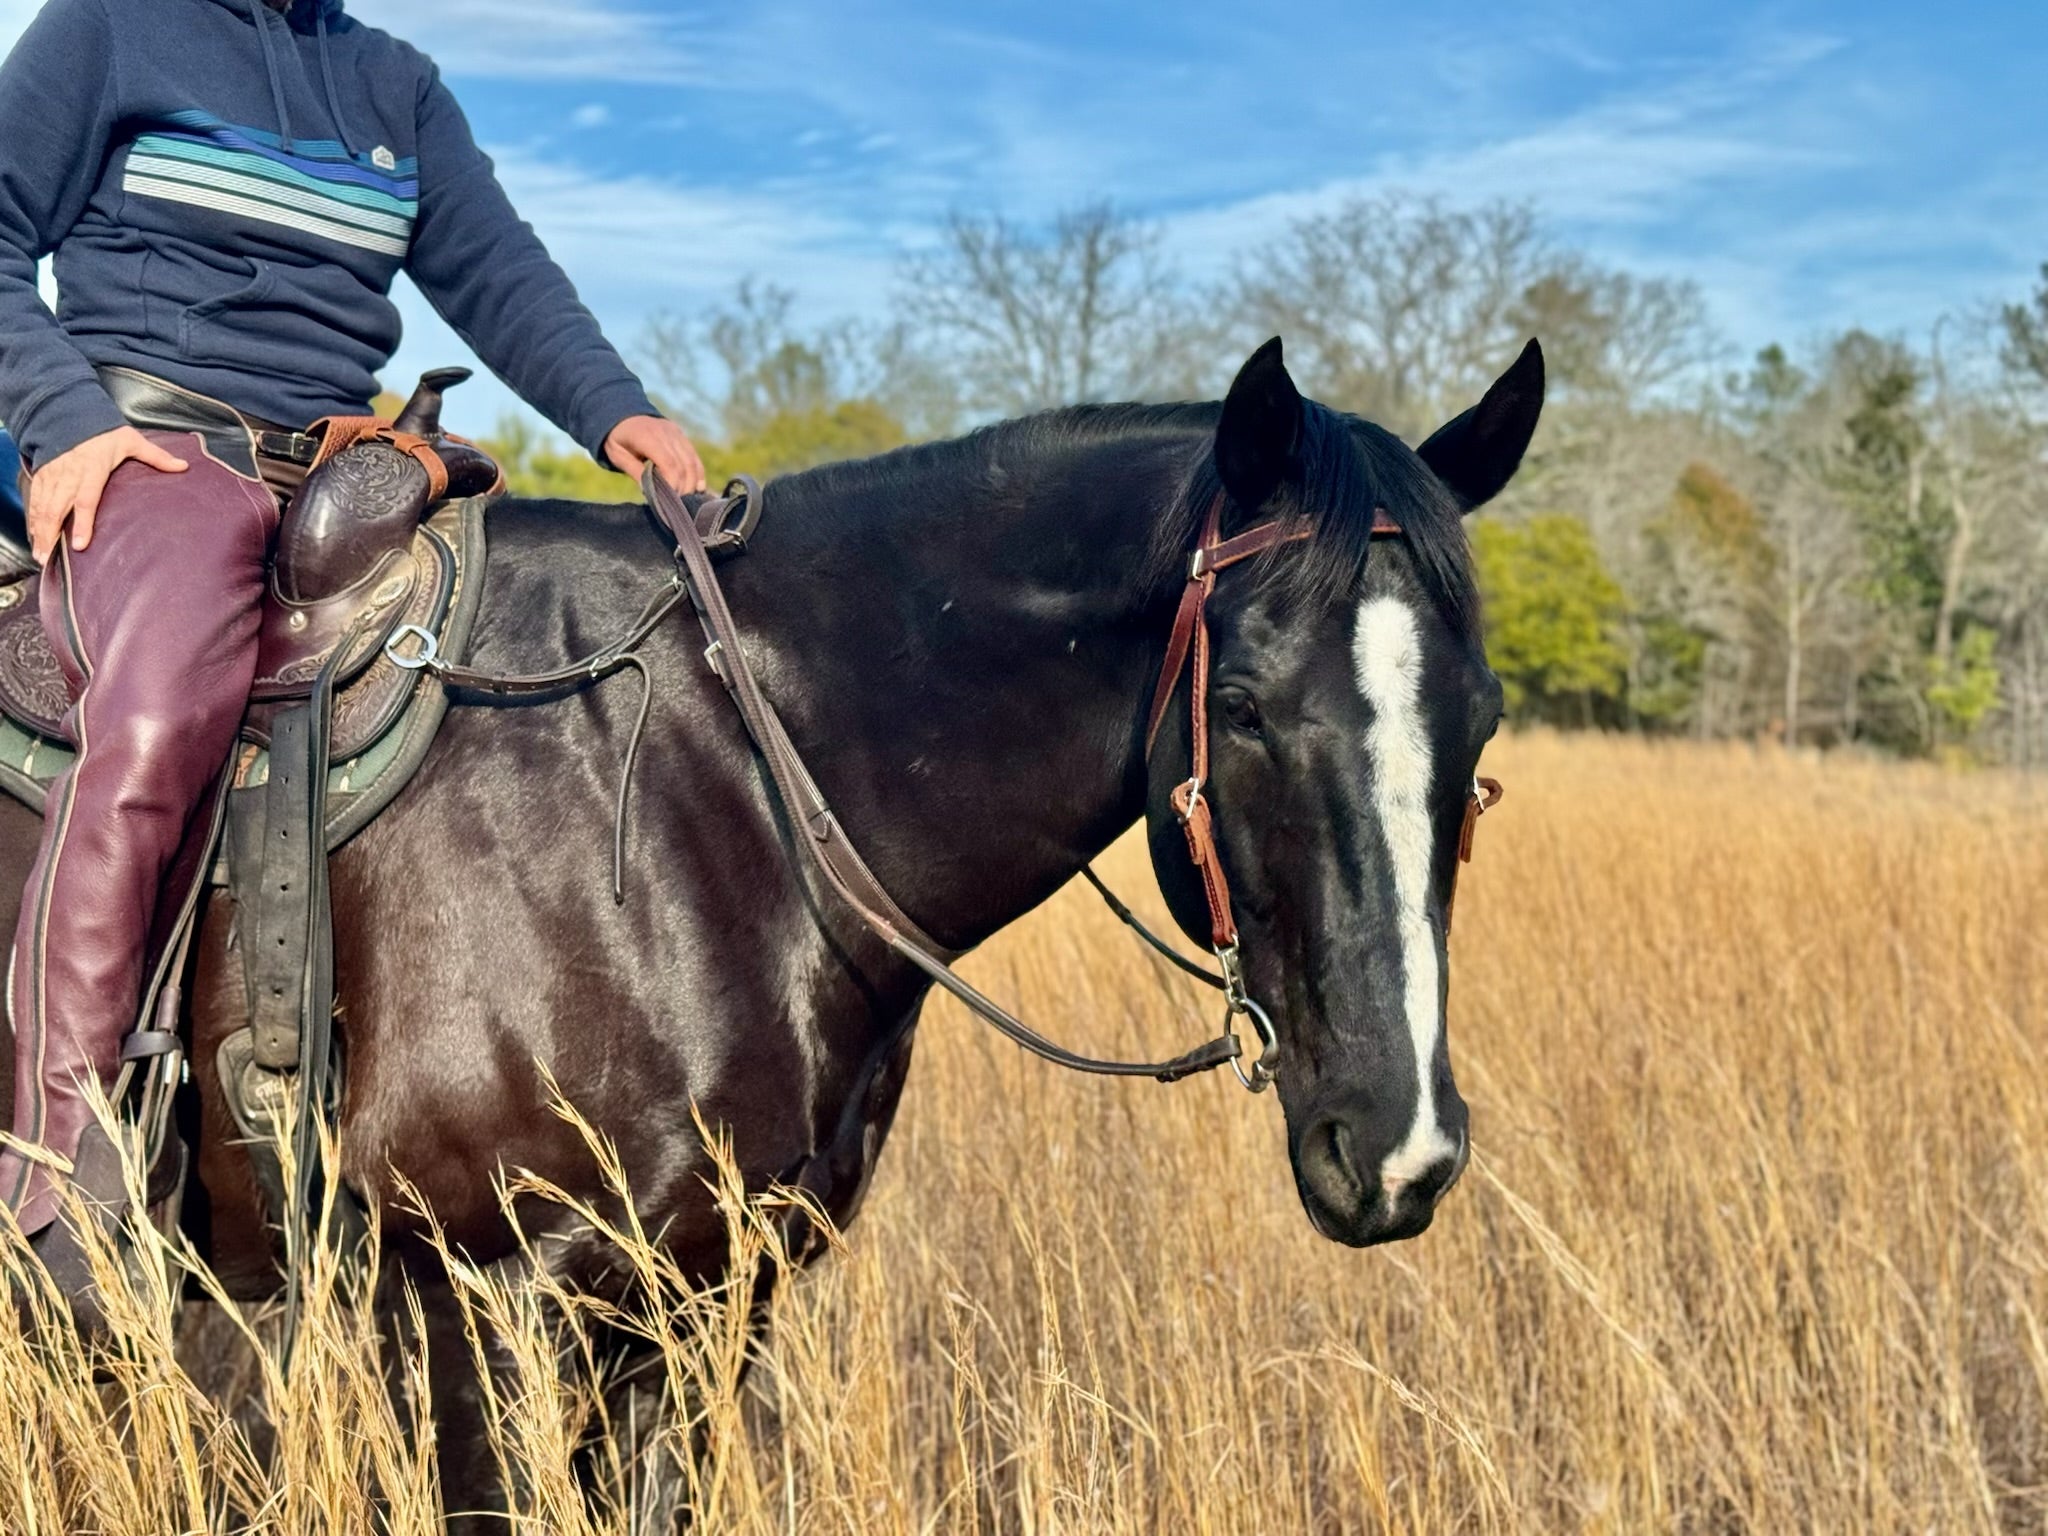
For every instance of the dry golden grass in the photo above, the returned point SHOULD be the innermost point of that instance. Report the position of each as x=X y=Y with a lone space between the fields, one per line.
x=1755 y=1237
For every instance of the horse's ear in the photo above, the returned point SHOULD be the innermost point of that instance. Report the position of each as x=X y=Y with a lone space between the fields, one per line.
x=1476 y=454
x=1259 y=430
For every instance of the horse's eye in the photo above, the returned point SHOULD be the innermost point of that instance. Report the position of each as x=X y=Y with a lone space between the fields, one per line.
x=1242 y=711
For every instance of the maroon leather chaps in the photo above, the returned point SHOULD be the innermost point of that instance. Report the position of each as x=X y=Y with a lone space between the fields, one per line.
x=155 y=623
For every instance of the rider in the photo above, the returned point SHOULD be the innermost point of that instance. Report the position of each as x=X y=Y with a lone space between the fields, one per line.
x=229 y=188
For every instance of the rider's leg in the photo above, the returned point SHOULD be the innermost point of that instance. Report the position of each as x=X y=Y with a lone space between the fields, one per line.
x=156 y=623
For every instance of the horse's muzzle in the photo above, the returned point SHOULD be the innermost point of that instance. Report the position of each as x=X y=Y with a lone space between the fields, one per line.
x=1336 y=1170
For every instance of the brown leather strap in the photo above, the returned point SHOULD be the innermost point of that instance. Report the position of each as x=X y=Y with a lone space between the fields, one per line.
x=1186 y=622
x=1475 y=807
x=338 y=434
x=825 y=841
x=422 y=453
x=799 y=792
x=1200 y=828
x=1187 y=649
x=1190 y=624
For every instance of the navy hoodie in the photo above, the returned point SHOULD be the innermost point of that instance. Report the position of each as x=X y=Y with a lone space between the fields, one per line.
x=229 y=192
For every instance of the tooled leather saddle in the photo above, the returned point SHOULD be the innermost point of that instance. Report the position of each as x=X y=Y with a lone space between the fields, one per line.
x=385 y=532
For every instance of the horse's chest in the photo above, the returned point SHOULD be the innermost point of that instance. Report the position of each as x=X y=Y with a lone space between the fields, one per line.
x=838 y=1173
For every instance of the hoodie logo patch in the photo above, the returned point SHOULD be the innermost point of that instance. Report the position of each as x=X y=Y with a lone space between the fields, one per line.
x=383 y=159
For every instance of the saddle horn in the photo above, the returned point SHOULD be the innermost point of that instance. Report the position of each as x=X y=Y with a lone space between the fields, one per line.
x=422 y=414
x=357 y=509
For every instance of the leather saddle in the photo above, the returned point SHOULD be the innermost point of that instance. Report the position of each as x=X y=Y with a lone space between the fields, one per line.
x=386 y=532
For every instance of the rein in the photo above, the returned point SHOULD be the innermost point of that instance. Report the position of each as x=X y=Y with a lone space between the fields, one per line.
x=823 y=839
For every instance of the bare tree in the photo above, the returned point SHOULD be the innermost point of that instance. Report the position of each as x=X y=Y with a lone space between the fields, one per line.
x=1614 y=336
x=1395 y=306
x=1083 y=310
x=747 y=361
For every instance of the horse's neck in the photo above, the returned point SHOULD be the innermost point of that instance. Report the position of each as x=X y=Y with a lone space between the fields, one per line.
x=965 y=660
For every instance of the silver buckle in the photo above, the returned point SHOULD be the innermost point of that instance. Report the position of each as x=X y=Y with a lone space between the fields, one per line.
x=1241 y=1005
x=426 y=659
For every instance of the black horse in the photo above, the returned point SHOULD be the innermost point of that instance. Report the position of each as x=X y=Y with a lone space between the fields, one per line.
x=963 y=639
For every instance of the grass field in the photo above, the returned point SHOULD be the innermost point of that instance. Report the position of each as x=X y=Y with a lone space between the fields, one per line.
x=1755 y=1237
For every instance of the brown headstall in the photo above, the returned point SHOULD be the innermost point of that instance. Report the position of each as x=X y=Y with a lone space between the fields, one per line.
x=1188 y=651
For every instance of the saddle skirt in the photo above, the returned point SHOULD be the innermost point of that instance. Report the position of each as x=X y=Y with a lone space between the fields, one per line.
x=384 y=719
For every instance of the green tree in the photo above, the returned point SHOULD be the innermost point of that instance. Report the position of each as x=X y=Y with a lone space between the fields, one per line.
x=1706 y=562
x=1963 y=688
x=2026 y=333
x=798 y=439
x=1554 y=616
x=535 y=466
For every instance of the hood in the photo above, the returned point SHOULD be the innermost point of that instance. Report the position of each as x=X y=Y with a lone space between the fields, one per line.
x=299 y=16
x=303 y=13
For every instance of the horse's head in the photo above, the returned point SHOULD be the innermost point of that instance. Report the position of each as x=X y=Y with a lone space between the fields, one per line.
x=1349 y=699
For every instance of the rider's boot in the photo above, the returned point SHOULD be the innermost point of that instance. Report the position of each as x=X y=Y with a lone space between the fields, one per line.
x=64 y=1247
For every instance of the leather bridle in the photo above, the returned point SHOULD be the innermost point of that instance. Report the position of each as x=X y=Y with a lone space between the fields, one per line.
x=1187 y=652
x=721 y=525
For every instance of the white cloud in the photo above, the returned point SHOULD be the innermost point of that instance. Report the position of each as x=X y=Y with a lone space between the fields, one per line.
x=637 y=245
x=592 y=114
x=543 y=39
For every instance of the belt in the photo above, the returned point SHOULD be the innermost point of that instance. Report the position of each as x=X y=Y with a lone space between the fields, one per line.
x=292 y=447
x=238 y=440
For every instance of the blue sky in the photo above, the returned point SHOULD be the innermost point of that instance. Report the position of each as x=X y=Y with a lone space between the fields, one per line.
x=1810 y=166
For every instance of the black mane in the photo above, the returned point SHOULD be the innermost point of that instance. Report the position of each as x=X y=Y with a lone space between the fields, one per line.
x=1347 y=468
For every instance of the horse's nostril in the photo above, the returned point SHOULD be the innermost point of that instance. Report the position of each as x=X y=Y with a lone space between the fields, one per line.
x=1340 y=1149
x=1330 y=1168
x=1430 y=1185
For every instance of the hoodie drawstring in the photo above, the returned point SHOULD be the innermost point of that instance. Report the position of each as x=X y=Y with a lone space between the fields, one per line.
x=259 y=14
x=327 y=77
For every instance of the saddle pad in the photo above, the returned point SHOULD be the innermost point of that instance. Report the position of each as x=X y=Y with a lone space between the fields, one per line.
x=384 y=721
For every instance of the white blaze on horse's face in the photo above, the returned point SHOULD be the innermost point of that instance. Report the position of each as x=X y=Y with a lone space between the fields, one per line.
x=1386 y=653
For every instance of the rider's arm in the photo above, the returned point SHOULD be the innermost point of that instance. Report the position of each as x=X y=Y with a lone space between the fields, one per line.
x=488 y=274
x=56 y=110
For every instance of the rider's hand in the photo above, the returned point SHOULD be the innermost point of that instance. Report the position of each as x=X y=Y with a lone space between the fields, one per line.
x=70 y=485
x=639 y=441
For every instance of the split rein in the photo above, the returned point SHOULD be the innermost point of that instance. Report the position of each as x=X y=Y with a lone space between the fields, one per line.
x=722 y=526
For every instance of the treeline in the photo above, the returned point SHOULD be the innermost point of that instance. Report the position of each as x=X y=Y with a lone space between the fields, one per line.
x=1842 y=542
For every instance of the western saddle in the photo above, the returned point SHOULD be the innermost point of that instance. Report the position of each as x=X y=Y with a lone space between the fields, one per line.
x=380 y=537
x=381 y=548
